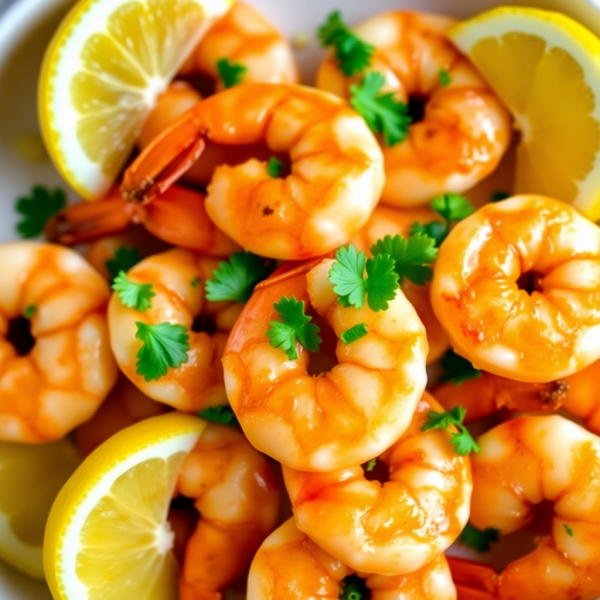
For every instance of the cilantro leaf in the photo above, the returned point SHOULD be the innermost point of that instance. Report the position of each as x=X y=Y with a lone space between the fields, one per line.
x=382 y=112
x=354 y=333
x=382 y=281
x=231 y=74
x=132 y=294
x=436 y=230
x=462 y=441
x=479 y=540
x=568 y=529
x=352 y=53
x=457 y=369
x=37 y=209
x=222 y=414
x=411 y=257
x=452 y=207
x=235 y=279
x=500 y=195
x=371 y=465
x=29 y=311
x=274 y=167
x=163 y=346
x=123 y=260
x=294 y=326
x=444 y=78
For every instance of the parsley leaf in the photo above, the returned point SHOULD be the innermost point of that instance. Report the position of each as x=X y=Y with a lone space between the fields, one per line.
x=412 y=257
x=195 y=282
x=463 y=442
x=222 y=414
x=353 y=55
x=132 y=294
x=231 y=74
x=354 y=333
x=479 y=540
x=274 y=167
x=294 y=325
x=37 y=209
x=164 y=345
x=236 y=278
x=29 y=311
x=350 y=284
x=123 y=260
x=452 y=207
x=436 y=230
x=457 y=369
x=500 y=195
x=371 y=465
x=444 y=78
x=382 y=112
x=568 y=529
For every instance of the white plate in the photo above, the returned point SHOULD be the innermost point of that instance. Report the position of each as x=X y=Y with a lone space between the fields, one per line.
x=24 y=32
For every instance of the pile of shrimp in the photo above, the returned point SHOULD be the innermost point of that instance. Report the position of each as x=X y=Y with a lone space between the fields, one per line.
x=353 y=406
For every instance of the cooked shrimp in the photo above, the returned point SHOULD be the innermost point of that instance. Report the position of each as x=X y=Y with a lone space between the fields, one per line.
x=464 y=129
x=517 y=288
x=237 y=495
x=56 y=366
x=345 y=415
x=397 y=526
x=177 y=217
x=393 y=221
x=289 y=566
x=522 y=463
x=178 y=277
x=336 y=168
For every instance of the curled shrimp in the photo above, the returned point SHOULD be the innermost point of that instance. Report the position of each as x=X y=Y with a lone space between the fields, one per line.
x=516 y=286
x=397 y=526
x=349 y=412
x=290 y=566
x=177 y=217
x=336 y=168
x=464 y=129
x=384 y=221
x=56 y=366
x=237 y=495
x=522 y=463
x=178 y=278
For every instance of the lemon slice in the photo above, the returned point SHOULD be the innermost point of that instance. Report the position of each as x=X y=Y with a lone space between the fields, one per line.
x=107 y=534
x=102 y=73
x=30 y=478
x=546 y=68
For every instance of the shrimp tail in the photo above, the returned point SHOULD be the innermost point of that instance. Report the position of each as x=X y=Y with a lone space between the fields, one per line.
x=164 y=160
x=473 y=581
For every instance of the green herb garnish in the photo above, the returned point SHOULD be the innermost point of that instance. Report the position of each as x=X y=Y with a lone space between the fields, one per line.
x=123 y=260
x=479 y=540
x=37 y=209
x=354 y=333
x=132 y=294
x=274 y=167
x=231 y=74
x=222 y=414
x=463 y=442
x=500 y=195
x=29 y=311
x=457 y=369
x=568 y=529
x=444 y=78
x=164 y=345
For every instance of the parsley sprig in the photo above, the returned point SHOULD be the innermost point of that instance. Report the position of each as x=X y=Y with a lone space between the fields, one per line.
x=352 y=53
x=371 y=465
x=478 y=540
x=164 y=345
x=444 y=78
x=231 y=74
x=354 y=333
x=132 y=294
x=457 y=369
x=462 y=441
x=382 y=112
x=222 y=414
x=37 y=208
x=295 y=325
x=29 y=311
x=568 y=530
x=235 y=279
x=350 y=284
x=412 y=256
x=274 y=167
x=123 y=260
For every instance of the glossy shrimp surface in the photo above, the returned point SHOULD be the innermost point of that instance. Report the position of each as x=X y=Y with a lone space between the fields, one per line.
x=56 y=366
x=517 y=288
x=178 y=277
x=384 y=221
x=397 y=526
x=345 y=414
x=290 y=566
x=464 y=129
x=237 y=495
x=336 y=168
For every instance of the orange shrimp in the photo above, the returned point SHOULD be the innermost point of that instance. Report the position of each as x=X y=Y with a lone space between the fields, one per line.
x=384 y=221
x=290 y=566
x=463 y=130
x=350 y=411
x=336 y=168
x=516 y=286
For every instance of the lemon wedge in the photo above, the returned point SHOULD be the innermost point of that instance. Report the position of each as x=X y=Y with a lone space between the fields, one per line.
x=546 y=68
x=107 y=534
x=30 y=478
x=102 y=73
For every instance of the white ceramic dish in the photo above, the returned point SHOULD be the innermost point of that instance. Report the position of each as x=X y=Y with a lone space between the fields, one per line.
x=24 y=32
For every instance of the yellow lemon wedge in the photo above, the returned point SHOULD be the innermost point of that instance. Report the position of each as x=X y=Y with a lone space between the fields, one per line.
x=546 y=68
x=30 y=478
x=107 y=534
x=102 y=72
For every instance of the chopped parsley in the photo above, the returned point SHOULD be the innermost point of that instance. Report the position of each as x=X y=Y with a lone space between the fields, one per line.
x=371 y=465
x=195 y=282
x=132 y=294
x=478 y=540
x=457 y=369
x=354 y=333
x=462 y=441
x=274 y=167
x=29 y=311
x=164 y=345
x=444 y=78
x=123 y=260
x=568 y=529
x=37 y=209
x=222 y=414
x=231 y=74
